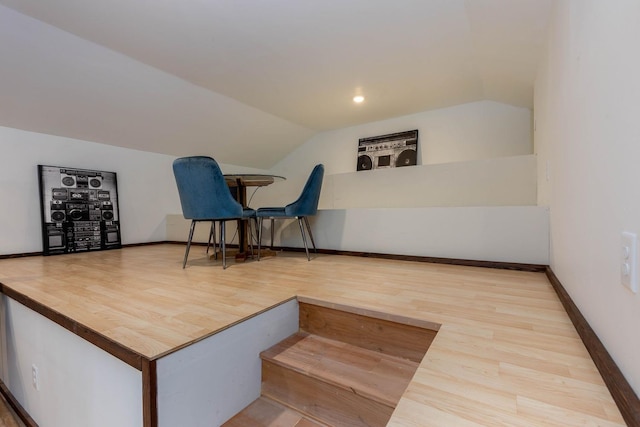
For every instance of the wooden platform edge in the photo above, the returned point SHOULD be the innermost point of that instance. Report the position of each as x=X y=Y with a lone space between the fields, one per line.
x=16 y=406
x=149 y=393
x=115 y=349
x=620 y=389
x=403 y=320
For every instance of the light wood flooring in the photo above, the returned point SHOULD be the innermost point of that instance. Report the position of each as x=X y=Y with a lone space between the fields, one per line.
x=506 y=352
x=8 y=418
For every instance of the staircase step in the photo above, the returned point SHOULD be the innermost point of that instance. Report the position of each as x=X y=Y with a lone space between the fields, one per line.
x=377 y=376
x=336 y=382
x=394 y=335
x=264 y=412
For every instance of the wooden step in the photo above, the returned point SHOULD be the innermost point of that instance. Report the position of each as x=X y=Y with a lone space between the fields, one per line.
x=393 y=335
x=333 y=381
x=345 y=367
x=264 y=412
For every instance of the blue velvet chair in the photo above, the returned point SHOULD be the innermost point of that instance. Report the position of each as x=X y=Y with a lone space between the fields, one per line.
x=205 y=196
x=212 y=232
x=305 y=206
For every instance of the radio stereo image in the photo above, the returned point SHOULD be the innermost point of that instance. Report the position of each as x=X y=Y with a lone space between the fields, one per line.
x=79 y=210
x=388 y=151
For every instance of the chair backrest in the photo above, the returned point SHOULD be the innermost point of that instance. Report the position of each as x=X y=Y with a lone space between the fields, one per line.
x=307 y=203
x=203 y=191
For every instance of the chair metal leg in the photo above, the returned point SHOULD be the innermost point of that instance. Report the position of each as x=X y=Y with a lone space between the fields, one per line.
x=255 y=224
x=250 y=226
x=304 y=238
x=212 y=236
x=306 y=221
x=259 y=236
x=272 y=231
x=186 y=254
x=223 y=244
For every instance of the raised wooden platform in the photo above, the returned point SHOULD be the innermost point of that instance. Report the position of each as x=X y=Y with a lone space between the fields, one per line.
x=506 y=352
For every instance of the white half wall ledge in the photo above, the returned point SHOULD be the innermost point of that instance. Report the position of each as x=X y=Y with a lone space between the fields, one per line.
x=500 y=181
x=516 y=234
x=503 y=181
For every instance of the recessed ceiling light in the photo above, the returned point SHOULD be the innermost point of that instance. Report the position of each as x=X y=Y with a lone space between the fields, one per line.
x=358 y=99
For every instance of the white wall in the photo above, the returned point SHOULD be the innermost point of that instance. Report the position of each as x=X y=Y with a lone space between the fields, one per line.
x=588 y=131
x=516 y=234
x=475 y=131
x=486 y=144
x=479 y=130
x=210 y=381
x=79 y=385
x=500 y=181
x=468 y=133
x=476 y=155
x=146 y=186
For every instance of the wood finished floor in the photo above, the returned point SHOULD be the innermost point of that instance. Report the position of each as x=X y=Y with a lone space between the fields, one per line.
x=506 y=353
x=8 y=418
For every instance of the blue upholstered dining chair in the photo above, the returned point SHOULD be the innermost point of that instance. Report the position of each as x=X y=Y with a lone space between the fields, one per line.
x=305 y=206
x=205 y=196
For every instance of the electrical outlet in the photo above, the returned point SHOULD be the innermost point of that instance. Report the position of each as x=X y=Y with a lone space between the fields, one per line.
x=629 y=261
x=34 y=377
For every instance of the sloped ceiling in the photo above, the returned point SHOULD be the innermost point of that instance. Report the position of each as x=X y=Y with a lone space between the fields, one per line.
x=247 y=81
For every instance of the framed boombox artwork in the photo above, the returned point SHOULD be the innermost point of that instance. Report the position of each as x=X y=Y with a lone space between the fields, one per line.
x=388 y=151
x=79 y=210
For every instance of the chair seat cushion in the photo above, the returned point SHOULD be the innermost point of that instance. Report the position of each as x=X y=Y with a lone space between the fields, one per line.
x=247 y=213
x=271 y=212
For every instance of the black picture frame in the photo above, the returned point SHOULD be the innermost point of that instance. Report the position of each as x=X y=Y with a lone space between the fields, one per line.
x=388 y=151
x=79 y=210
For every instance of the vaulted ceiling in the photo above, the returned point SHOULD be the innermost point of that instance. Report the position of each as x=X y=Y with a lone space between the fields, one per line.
x=247 y=81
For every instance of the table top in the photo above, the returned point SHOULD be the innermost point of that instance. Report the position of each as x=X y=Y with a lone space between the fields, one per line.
x=251 y=179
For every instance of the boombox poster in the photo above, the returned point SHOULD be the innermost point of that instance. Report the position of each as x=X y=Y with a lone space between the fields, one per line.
x=388 y=151
x=79 y=210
